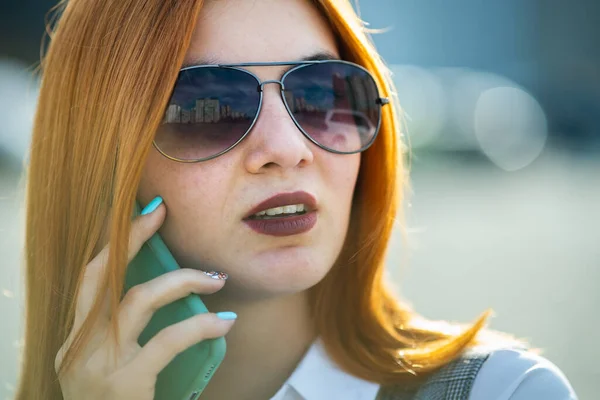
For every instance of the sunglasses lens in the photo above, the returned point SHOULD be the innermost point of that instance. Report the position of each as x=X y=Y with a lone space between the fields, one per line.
x=335 y=104
x=209 y=111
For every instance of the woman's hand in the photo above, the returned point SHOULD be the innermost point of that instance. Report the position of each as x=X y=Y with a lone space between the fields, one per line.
x=96 y=375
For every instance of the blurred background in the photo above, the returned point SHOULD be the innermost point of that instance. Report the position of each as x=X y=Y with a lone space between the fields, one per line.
x=502 y=103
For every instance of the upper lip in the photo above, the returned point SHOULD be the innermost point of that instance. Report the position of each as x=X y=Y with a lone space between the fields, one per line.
x=285 y=199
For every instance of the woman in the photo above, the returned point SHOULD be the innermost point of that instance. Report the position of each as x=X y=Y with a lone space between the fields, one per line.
x=305 y=308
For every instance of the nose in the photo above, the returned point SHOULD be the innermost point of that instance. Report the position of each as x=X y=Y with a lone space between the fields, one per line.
x=275 y=141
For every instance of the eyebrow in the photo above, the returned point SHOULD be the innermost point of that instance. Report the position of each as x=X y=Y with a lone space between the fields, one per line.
x=318 y=56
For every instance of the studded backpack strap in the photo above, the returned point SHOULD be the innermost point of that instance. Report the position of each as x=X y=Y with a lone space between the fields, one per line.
x=452 y=382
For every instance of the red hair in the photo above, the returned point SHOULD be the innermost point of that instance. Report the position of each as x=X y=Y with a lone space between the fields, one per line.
x=89 y=145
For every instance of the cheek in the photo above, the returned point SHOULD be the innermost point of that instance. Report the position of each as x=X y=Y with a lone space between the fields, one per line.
x=191 y=192
x=157 y=177
x=180 y=184
x=340 y=180
x=341 y=175
x=196 y=198
x=196 y=216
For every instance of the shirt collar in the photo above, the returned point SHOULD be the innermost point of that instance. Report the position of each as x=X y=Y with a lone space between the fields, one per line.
x=318 y=378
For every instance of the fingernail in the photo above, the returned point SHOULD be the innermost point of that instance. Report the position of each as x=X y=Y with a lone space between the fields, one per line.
x=228 y=315
x=216 y=275
x=152 y=205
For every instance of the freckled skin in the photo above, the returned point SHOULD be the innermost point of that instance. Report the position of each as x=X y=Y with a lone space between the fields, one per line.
x=206 y=201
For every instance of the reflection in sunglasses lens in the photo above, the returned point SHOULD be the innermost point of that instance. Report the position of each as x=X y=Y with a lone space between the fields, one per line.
x=335 y=103
x=211 y=108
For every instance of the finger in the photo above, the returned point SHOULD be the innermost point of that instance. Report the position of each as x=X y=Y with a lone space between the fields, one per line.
x=141 y=301
x=171 y=341
x=142 y=228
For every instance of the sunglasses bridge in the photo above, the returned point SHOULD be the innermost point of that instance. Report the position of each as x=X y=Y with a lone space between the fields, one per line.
x=260 y=86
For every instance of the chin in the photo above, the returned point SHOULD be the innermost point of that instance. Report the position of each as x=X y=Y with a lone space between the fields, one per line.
x=260 y=280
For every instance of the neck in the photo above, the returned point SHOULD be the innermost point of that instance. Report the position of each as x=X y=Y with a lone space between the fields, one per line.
x=265 y=345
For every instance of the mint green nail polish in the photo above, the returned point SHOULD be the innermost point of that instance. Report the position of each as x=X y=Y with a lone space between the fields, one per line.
x=152 y=205
x=227 y=315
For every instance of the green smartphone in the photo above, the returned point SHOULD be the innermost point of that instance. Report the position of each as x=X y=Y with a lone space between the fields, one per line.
x=186 y=376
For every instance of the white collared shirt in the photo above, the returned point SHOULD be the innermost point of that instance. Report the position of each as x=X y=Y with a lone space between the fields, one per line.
x=317 y=378
x=506 y=375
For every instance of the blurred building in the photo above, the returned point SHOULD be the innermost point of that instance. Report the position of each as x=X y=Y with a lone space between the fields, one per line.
x=550 y=47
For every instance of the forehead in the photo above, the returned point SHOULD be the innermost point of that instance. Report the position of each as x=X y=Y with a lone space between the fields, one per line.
x=232 y=31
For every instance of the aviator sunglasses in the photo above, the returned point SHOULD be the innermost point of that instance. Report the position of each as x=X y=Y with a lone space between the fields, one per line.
x=334 y=103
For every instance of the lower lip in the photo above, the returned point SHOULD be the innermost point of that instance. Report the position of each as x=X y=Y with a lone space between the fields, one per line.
x=284 y=226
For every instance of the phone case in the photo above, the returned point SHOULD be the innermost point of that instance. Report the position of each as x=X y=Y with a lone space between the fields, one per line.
x=186 y=376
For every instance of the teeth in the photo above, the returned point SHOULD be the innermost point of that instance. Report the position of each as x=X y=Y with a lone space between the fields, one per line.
x=281 y=210
x=275 y=211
